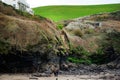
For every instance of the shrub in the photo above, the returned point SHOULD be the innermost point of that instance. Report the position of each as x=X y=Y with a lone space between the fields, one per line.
x=60 y=26
x=78 y=33
x=79 y=55
x=115 y=15
x=112 y=40
x=109 y=49
x=81 y=60
x=89 y=31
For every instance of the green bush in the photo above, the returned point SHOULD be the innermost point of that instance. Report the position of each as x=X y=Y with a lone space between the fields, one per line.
x=81 y=60
x=112 y=40
x=79 y=51
x=79 y=55
x=60 y=26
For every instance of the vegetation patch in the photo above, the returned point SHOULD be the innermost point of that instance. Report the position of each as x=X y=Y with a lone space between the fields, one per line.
x=108 y=50
x=58 y=13
x=4 y=47
x=80 y=61
x=60 y=26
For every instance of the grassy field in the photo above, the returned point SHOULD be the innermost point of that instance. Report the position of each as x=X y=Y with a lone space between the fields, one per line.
x=57 y=13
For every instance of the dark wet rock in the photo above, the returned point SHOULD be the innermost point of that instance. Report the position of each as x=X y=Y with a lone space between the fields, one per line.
x=64 y=67
x=114 y=64
x=41 y=75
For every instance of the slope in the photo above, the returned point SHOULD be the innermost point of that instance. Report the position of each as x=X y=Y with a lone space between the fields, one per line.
x=25 y=38
x=57 y=13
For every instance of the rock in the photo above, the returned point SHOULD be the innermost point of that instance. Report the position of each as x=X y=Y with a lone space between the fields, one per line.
x=78 y=25
x=41 y=75
x=64 y=67
x=70 y=65
x=114 y=64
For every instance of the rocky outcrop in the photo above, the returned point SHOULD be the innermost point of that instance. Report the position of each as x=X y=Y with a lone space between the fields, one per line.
x=27 y=43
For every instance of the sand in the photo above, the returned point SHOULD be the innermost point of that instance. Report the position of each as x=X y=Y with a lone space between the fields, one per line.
x=60 y=77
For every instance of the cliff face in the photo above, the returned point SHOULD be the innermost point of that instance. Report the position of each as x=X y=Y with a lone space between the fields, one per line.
x=22 y=32
x=25 y=40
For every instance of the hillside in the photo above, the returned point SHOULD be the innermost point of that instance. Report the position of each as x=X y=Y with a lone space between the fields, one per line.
x=83 y=46
x=96 y=38
x=23 y=37
x=58 y=13
x=14 y=24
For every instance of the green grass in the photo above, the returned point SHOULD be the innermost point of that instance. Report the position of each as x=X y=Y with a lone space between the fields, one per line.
x=58 y=13
x=81 y=61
